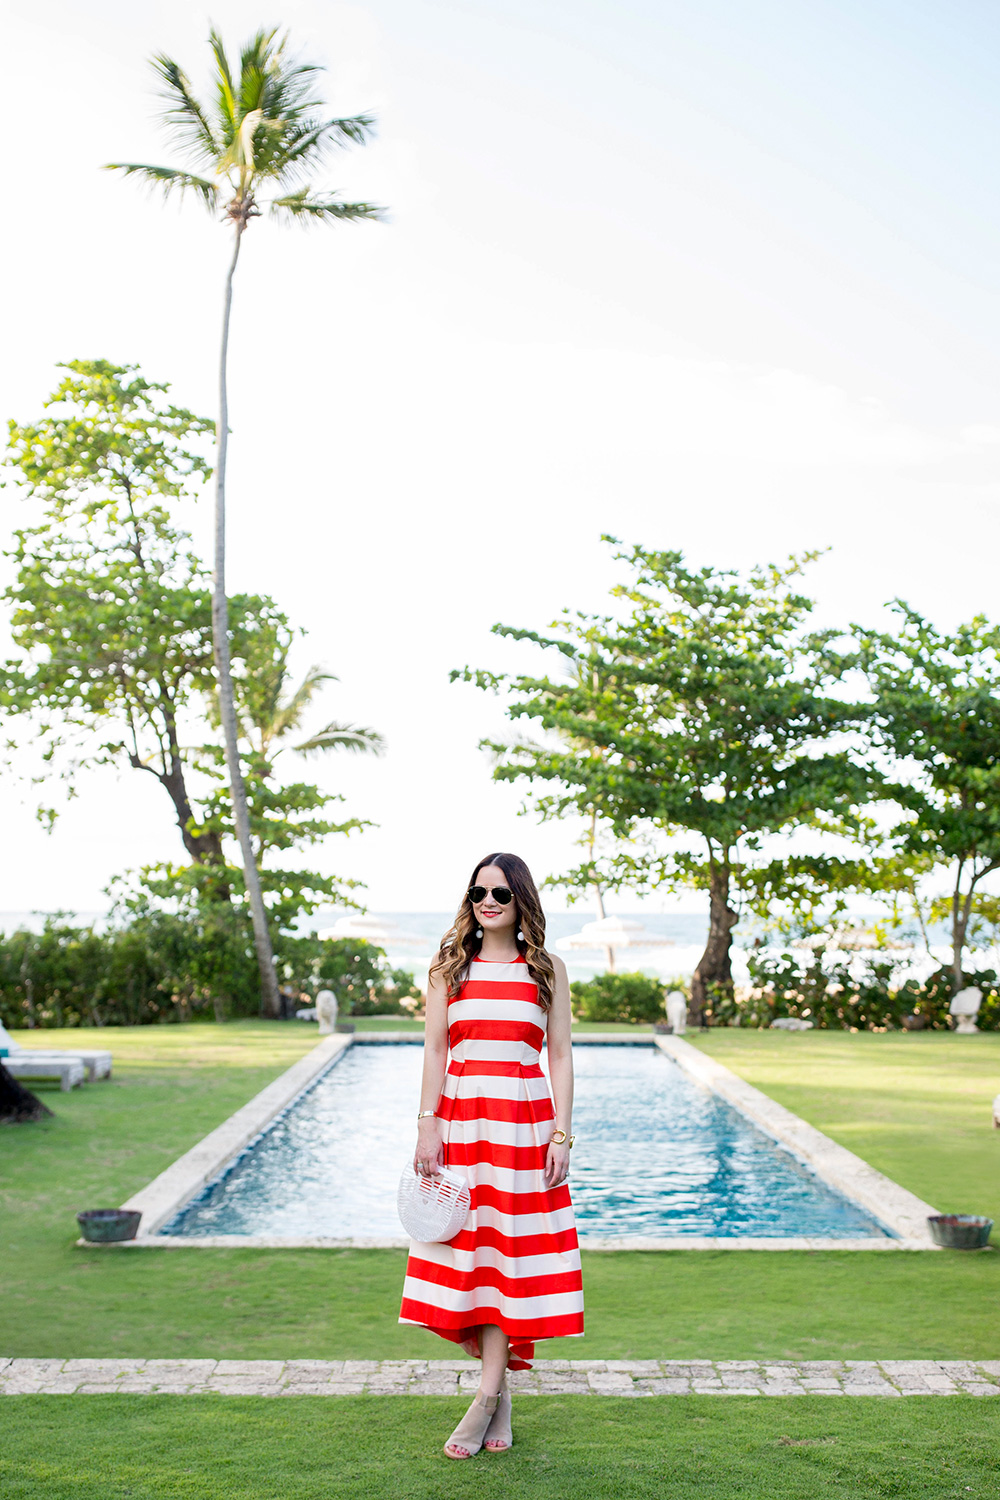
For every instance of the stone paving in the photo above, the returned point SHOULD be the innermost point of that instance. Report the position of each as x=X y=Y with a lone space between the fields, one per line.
x=451 y=1377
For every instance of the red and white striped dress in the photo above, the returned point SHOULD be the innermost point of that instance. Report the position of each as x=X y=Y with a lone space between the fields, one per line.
x=517 y=1262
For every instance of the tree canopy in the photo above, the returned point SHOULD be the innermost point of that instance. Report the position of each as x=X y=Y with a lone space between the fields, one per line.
x=697 y=721
x=934 y=717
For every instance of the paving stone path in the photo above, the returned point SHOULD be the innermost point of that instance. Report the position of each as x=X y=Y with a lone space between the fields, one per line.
x=451 y=1377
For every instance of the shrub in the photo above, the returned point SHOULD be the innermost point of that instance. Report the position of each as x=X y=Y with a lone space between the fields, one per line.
x=162 y=967
x=618 y=997
x=837 y=992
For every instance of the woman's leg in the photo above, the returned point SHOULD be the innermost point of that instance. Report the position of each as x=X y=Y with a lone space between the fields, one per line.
x=495 y=1347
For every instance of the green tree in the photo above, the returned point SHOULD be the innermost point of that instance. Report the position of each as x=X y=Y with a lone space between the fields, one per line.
x=110 y=607
x=935 y=717
x=710 y=729
x=597 y=840
x=263 y=131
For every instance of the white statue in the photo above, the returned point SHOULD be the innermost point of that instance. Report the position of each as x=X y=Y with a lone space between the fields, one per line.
x=791 y=1023
x=965 y=1008
x=996 y=1113
x=677 y=1010
x=326 y=1010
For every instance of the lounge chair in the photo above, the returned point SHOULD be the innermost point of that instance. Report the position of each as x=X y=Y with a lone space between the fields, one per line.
x=96 y=1064
x=62 y=1065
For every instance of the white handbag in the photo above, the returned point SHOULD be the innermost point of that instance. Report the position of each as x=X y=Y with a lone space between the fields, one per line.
x=432 y=1209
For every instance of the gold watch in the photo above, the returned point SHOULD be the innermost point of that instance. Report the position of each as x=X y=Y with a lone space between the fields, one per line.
x=559 y=1138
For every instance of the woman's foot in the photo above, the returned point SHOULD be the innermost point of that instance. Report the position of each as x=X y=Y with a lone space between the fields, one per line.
x=467 y=1439
x=498 y=1434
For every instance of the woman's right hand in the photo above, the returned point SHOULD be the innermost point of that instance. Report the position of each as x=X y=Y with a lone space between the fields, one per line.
x=429 y=1155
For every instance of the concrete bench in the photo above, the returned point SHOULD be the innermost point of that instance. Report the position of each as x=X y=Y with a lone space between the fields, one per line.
x=96 y=1064
x=68 y=1069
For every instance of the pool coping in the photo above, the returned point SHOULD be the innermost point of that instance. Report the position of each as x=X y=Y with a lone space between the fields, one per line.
x=897 y=1210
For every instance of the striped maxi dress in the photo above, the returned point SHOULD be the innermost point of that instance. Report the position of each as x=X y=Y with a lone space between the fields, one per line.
x=516 y=1263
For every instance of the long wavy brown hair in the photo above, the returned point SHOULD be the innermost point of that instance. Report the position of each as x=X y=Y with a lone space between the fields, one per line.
x=460 y=946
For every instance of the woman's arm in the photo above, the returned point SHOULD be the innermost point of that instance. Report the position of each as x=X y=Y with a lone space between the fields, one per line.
x=560 y=1049
x=429 y=1154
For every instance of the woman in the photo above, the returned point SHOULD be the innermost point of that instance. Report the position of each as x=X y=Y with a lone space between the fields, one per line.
x=512 y=1275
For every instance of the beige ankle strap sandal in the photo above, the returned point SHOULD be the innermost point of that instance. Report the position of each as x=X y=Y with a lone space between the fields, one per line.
x=498 y=1434
x=470 y=1432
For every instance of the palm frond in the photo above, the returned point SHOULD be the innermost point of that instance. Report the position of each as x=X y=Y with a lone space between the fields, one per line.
x=289 y=715
x=322 y=210
x=185 y=117
x=350 y=129
x=224 y=89
x=167 y=178
x=306 y=142
x=240 y=153
x=351 y=737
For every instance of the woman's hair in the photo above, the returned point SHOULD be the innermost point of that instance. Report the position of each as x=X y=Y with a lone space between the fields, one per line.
x=460 y=946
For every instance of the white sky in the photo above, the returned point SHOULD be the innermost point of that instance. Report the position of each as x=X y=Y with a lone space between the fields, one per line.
x=718 y=275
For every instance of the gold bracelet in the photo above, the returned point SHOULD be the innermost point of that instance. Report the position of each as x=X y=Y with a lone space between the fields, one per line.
x=426 y=1113
x=559 y=1138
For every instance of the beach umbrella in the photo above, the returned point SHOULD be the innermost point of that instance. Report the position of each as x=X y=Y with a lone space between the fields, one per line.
x=612 y=934
x=375 y=930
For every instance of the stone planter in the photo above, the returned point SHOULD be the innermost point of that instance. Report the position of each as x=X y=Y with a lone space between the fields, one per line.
x=960 y=1231
x=106 y=1226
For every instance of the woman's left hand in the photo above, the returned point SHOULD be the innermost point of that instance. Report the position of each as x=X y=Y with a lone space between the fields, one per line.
x=556 y=1165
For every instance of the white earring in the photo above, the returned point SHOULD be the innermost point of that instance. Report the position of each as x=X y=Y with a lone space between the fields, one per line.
x=479 y=932
x=520 y=935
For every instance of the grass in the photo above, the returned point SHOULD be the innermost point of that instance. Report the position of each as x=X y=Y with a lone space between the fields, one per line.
x=601 y=1448
x=917 y=1106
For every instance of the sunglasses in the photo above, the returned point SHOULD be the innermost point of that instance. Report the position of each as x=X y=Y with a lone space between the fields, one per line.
x=499 y=893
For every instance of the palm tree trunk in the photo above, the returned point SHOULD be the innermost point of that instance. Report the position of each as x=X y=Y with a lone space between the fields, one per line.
x=269 y=998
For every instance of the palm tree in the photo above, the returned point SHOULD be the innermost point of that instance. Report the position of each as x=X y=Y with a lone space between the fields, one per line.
x=269 y=713
x=262 y=130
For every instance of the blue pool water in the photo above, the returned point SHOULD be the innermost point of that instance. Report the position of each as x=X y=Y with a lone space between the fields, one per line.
x=655 y=1155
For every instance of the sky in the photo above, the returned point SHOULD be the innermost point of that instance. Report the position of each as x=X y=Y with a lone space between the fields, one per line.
x=718 y=276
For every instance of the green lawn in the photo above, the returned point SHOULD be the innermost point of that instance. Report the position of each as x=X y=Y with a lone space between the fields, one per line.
x=917 y=1106
x=596 y=1448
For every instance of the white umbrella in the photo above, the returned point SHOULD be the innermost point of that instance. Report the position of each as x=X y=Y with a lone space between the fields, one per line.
x=611 y=933
x=374 y=930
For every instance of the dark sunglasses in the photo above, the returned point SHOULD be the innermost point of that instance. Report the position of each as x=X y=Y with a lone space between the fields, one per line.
x=499 y=893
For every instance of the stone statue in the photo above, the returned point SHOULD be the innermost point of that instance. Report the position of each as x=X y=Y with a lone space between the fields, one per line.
x=965 y=1008
x=677 y=1009
x=326 y=1011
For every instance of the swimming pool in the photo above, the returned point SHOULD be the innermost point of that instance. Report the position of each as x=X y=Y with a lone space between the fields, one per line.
x=656 y=1155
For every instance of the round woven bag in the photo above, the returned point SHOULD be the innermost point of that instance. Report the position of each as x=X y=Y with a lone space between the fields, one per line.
x=432 y=1209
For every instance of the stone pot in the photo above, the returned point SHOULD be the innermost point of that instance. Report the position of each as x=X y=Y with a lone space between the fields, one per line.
x=960 y=1231
x=106 y=1226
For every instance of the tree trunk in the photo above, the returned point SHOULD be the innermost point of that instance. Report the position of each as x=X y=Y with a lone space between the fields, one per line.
x=958 y=927
x=269 y=999
x=17 y=1105
x=609 y=953
x=715 y=968
x=204 y=848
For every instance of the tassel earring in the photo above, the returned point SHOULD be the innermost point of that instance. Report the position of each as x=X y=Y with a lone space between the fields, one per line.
x=479 y=932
